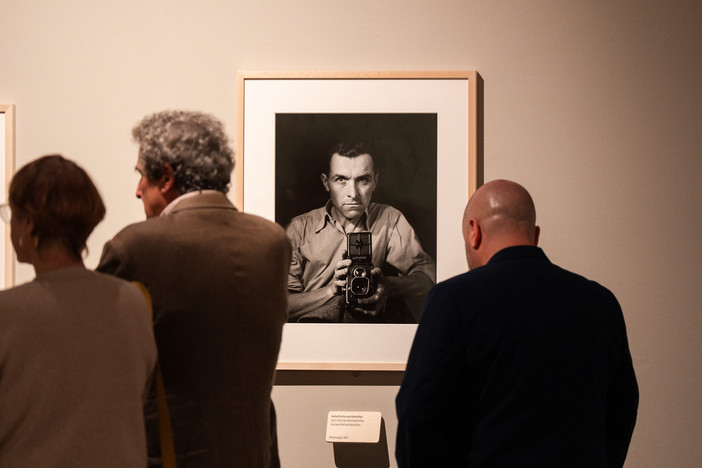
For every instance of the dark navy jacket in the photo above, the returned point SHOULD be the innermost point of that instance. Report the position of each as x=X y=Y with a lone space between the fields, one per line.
x=518 y=363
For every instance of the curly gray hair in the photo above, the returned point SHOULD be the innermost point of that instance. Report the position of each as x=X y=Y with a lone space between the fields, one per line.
x=193 y=143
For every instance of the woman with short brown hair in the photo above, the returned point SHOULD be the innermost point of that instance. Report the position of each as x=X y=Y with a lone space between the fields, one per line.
x=76 y=347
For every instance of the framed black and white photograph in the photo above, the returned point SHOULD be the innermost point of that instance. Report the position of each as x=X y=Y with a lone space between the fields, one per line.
x=416 y=133
x=7 y=164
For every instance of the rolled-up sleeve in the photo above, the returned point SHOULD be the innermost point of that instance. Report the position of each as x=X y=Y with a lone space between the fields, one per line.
x=296 y=261
x=405 y=251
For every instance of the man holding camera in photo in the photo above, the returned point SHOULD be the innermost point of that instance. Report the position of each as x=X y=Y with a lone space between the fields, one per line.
x=402 y=272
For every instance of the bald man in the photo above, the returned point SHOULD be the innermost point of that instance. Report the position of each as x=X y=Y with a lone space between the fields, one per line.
x=516 y=363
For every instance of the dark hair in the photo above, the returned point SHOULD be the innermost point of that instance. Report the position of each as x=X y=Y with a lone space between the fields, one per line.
x=60 y=200
x=351 y=149
x=193 y=143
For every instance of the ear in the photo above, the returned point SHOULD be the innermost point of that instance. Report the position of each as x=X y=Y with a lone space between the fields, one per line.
x=167 y=181
x=325 y=181
x=376 y=178
x=537 y=232
x=26 y=224
x=475 y=234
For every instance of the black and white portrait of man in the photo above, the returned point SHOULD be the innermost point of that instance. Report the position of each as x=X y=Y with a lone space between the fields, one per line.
x=337 y=174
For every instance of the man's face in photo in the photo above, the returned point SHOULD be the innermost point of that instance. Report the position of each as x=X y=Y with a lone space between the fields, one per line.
x=350 y=183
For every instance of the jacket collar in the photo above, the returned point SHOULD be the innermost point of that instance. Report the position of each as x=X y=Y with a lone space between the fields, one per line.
x=199 y=199
x=519 y=251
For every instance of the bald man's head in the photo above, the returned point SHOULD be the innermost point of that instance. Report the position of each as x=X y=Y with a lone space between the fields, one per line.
x=500 y=214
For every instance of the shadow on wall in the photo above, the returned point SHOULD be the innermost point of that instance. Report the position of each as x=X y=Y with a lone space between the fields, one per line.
x=349 y=455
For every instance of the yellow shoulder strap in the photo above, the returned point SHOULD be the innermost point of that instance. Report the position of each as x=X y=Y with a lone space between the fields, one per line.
x=168 y=458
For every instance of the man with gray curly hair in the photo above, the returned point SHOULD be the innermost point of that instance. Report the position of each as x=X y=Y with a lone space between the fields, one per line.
x=218 y=281
x=188 y=149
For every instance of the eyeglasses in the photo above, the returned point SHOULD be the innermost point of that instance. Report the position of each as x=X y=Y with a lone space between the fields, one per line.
x=5 y=212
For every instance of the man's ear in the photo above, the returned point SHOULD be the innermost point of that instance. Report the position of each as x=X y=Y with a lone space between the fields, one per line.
x=537 y=232
x=475 y=234
x=325 y=181
x=167 y=181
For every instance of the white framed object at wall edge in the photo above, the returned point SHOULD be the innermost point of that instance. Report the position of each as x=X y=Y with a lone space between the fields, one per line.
x=424 y=124
x=7 y=159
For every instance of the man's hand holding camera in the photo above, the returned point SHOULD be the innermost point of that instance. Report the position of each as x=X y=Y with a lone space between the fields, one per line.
x=373 y=305
x=338 y=282
x=365 y=287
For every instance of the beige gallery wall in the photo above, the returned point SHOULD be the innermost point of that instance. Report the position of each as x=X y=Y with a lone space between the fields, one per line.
x=594 y=106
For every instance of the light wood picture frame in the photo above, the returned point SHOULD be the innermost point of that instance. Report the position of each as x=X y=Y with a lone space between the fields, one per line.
x=452 y=96
x=7 y=159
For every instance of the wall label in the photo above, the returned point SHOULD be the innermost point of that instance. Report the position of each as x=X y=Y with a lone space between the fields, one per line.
x=353 y=426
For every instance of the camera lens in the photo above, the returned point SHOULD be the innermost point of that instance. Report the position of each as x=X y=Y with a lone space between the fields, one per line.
x=360 y=286
x=359 y=272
